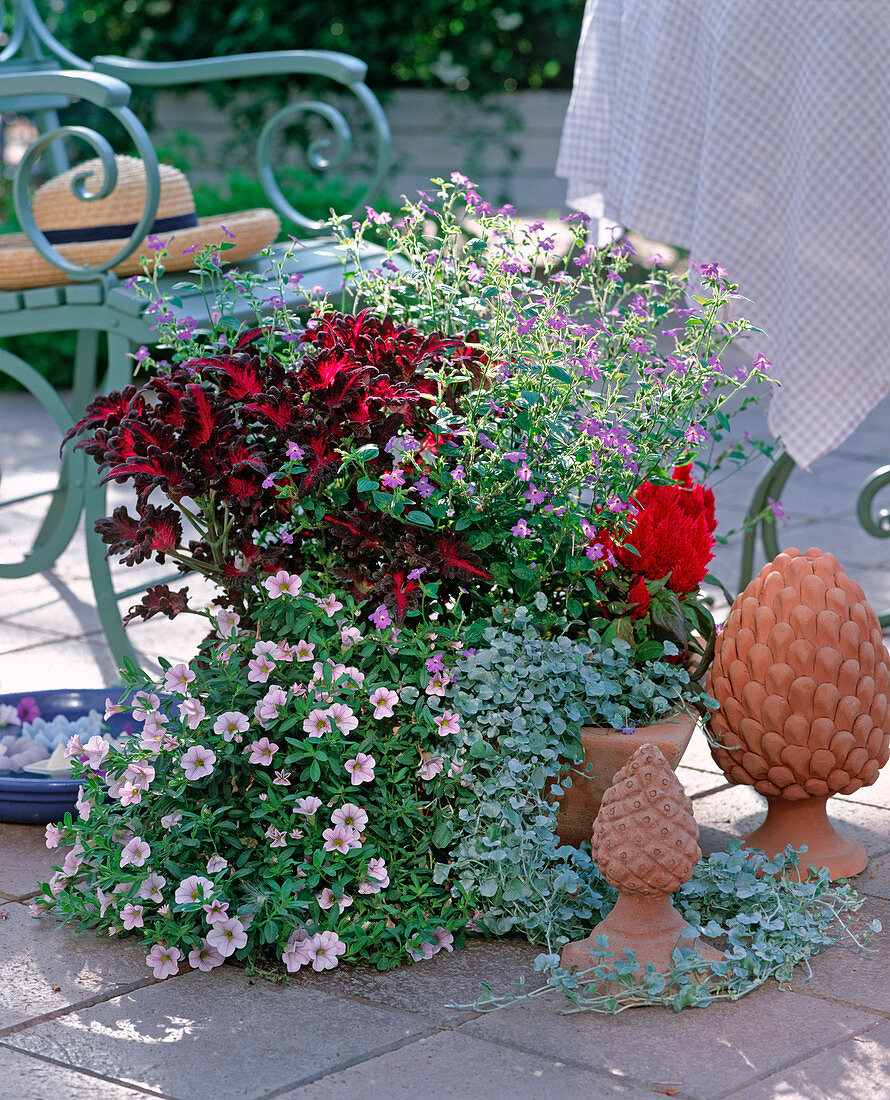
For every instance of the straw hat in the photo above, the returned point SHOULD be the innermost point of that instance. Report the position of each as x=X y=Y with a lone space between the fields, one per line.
x=90 y=232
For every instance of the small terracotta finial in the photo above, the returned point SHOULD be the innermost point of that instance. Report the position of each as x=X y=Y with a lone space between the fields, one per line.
x=645 y=843
x=802 y=678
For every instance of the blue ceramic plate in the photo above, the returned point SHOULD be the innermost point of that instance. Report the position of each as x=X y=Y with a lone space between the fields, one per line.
x=33 y=799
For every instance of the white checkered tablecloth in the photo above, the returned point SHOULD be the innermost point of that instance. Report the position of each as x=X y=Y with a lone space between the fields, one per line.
x=755 y=133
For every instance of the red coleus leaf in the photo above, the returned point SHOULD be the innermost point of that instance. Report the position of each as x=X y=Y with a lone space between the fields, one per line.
x=239 y=375
x=106 y=411
x=456 y=559
x=399 y=594
x=160 y=599
x=198 y=416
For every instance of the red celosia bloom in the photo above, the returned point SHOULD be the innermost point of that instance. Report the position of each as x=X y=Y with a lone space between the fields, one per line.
x=639 y=595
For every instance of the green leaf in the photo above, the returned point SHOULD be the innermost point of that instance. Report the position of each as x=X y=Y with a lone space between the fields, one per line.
x=367 y=484
x=367 y=452
x=442 y=834
x=558 y=373
x=420 y=518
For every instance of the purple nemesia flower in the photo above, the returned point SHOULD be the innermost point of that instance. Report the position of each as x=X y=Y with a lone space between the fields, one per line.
x=435 y=664
x=28 y=709
x=521 y=530
x=381 y=618
x=392 y=479
x=534 y=495
x=424 y=488
x=141 y=354
x=155 y=243
x=629 y=730
x=416 y=574
x=294 y=451
x=776 y=507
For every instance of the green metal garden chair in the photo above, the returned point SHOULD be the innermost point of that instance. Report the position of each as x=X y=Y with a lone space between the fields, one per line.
x=39 y=78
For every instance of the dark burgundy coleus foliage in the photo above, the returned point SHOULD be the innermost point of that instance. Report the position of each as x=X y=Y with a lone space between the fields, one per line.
x=209 y=434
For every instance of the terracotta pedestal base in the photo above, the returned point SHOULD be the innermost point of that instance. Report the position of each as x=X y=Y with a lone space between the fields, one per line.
x=650 y=927
x=806 y=822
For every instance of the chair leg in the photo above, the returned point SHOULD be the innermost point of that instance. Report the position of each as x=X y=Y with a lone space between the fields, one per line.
x=769 y=487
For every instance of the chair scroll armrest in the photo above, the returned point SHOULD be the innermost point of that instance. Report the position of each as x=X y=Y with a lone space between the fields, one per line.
x=323 y=154
x=107 y=93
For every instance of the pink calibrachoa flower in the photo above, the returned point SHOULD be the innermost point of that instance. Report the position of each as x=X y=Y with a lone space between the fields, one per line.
x=269 y=707
x=227 y=936
x=140 y=773
x=74 y=747
x=444 y=939
x=265 y=649
x=230 y=723
x=192 y=889
x=205 y=958
x=308 y=806
x=216 y=863
x=164 y=960
x=438 y=683
x=430 y=766
x=283 y=584
x=343 y=717
x=131 y=916
x=112 y=709
x=96 y=750
x=383 y=700
x=361 y=768
x=145 y=704
x=285 y=652
x=128 y=794
x=197 y=762
x=84 y=805
x=192 y=711
x=298 y=952
x=327 y=899
x=170 y=821
x=216 y=911
x=304 y=651
x=282 y=779
x=317 y=724
x=351 y=815
x=447 y=723
x=226 y=622
x=151 y=887
x=341 y=839
x=177 y=679
x=350 y=636
x=324 y=947
x=278 y=838
x=330 y=605
x=261 y=668
x=135 y=852
x=53 y=836
x=262 y=751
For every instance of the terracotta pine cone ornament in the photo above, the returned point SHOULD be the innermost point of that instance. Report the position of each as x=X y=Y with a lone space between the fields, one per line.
x=802 y=678
x=645 y=843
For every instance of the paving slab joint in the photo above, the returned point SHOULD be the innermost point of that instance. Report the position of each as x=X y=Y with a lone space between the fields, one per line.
x=131 y=1085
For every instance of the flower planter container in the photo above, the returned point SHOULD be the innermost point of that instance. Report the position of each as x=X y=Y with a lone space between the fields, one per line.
x=35 y=800
x=606 y=751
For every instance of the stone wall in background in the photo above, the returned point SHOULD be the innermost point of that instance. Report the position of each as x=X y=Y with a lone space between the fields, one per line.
x=508 y=145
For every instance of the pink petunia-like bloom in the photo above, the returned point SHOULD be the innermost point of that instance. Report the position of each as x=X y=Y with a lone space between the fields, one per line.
x=430 y=766
x=282 y=779
x=350 y=636
x=330 y=605
x=151 y=887
x=261 y=668
x=304 y=651
x=205 y=958
x=383 y=700
x=226 y=622
x=278 y=838
x=327 y=899
x=324 y=947
x=135 y=852
x=227 y=936
x=170 y=821
x=269 y=707
x=361 y=768
x=444 y=939
x=265 y=649
x=192 y=711
x=131 y=916
x=216 y=863
x=283 y=584
x=317 y=724
x=438 y=683
x=341 y=838
x=140 y=773
x=195 y=888
x=112 y=708
x=284 y=651
x=230 y=723
x=308 y=806
x=145 y=704
x=424 y=951
x=84 y=805
x=298 y=951
x=197 y=762
x=74 y=747
x=96 y=751
x=216 y=911
x=343 y=717
x=164 y=960
x=262 y=751
x=129 y=794
x=350 y=815
x=447 y=723
x=177 y=679
x=53 y=836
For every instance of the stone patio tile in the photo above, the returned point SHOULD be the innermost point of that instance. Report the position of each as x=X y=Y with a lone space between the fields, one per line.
x=426 y=988
x=875 y=879
x=24 y=860
x=857 y=976
x=45 y=966
x=452 y=1065
x=698 y=755
x=24 y=1077
x=740 y=809
x=15 y=639
x=704 y=1053
x=58 y=663
x=878 y=794
x=858 y=1069
x=696 y=782
x=206 y=1036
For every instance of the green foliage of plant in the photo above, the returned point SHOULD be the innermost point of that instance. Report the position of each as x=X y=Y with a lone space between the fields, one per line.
x=522 y=698
x=215 y=790
x=769 y=922
x=478 y=45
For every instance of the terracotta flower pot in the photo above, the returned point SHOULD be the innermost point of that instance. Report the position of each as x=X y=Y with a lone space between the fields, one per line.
x=607 y=751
